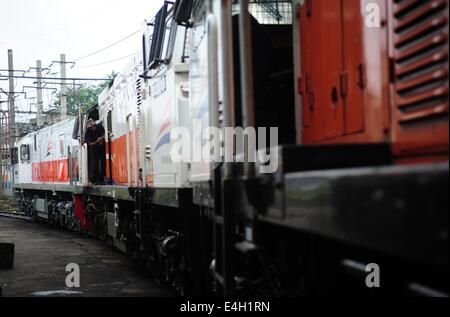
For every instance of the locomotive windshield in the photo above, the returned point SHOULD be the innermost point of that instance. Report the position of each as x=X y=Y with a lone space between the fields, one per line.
x=24 y=152
x=163 y=33
x=14 y=156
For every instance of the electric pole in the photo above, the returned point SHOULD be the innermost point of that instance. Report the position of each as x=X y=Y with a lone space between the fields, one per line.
x=40 y=102
x=1 y=153
x=63 y=88
x=12 y=106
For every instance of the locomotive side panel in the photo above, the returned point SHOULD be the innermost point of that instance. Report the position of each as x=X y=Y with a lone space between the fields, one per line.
x=118 y=114
x=168 y=94
x=50 y=160
x=205 y=71
x=47 y=156
x=343 y=100
x=393 y=77
x=198 y=81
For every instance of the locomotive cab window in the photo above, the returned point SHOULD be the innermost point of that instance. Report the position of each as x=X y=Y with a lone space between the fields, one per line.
x=170 y=30
x=15 y=156
x=25 y=153
x=162 y=39
x=182 y=11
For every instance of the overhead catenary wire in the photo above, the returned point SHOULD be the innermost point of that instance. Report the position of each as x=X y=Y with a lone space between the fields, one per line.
x=55 y=78
x=109 y=46
x=107 y=62
x=52 y=80
x=82 y=58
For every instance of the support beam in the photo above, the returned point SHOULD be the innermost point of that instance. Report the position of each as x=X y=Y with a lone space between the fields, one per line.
x=40 y=101
x=12 y=105
x=63 y=88
x=1 y=153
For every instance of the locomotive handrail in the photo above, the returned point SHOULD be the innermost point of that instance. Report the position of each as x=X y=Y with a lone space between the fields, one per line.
x=213 y=79
x=226 y=37
x=248 y=102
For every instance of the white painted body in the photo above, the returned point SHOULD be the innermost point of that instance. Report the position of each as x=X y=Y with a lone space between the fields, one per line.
x=48 y=147
x=207 y=19
x=165 y=107
x=122 y=100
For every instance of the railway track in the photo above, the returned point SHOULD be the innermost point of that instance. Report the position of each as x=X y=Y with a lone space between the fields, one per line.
x=15 y=215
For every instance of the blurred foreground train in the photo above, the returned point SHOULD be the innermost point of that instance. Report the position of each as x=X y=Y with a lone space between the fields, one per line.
x=359 y=92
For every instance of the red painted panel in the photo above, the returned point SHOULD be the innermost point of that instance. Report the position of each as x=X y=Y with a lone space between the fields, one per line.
x=361 y=75
x=354 y=65
x=51 y=171
x=321 y=38
x=119 y=158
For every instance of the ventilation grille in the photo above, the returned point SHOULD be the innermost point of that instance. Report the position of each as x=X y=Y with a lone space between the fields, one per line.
x=420 y=58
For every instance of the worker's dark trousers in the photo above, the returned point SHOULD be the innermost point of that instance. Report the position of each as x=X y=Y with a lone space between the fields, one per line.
x=97 y=163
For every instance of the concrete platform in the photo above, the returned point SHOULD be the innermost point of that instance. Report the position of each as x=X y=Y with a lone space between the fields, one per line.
x=43 y=252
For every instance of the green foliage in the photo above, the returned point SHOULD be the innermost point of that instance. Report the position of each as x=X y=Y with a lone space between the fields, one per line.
x=85 y=96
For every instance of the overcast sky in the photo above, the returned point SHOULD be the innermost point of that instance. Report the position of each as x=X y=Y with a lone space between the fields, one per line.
x=43 y=29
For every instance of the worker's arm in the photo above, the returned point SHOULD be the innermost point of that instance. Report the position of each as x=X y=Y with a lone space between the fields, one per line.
x=101 y=139
x=88 y=138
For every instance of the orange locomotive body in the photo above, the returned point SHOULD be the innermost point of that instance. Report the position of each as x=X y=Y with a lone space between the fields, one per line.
x=382 y=75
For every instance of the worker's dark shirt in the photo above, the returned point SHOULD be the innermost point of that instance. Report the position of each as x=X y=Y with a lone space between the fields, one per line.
x=92 y=136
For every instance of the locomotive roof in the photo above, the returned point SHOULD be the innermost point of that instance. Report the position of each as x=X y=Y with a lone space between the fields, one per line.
x=134 y=63
x=50 y=127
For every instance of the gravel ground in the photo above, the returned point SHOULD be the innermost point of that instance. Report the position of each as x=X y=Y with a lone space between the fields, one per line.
x=42 y=254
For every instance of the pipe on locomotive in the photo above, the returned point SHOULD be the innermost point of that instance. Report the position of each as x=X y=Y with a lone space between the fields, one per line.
x=248 y=101
x=213 y=79
x=226 y=36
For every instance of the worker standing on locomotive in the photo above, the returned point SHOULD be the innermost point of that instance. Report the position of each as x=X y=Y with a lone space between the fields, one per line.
x=95 y=138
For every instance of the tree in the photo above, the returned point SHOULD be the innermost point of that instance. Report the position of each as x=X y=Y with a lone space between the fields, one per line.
x=85 y=96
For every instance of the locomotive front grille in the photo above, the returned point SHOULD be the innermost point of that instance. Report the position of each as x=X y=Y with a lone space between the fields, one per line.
x=420 y=57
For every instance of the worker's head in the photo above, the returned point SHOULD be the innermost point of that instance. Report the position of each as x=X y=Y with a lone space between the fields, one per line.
x=91 y=124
